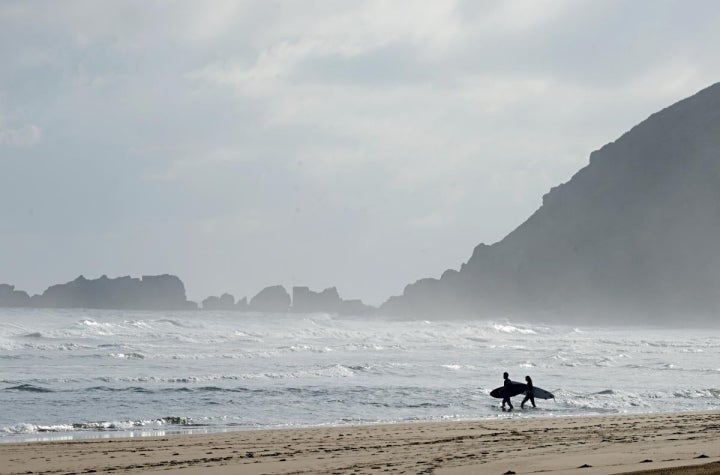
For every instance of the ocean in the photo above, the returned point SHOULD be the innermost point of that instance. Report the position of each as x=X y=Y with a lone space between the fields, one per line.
x=75 y=373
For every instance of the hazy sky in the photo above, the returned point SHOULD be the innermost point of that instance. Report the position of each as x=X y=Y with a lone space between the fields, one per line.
x=357 y=144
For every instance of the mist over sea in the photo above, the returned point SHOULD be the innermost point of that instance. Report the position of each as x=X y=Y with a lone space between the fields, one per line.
x=99 y=373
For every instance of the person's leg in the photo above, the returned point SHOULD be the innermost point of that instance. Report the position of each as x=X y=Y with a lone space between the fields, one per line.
x=532 y=400
x=522 y=404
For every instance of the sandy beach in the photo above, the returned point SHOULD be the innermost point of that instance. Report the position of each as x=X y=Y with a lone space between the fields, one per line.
x=657 y=444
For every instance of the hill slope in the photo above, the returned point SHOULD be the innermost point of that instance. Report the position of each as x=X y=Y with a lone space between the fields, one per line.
x=636 y=232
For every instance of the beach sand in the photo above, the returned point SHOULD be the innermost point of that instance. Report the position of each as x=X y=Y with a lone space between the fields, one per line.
x=560 y=445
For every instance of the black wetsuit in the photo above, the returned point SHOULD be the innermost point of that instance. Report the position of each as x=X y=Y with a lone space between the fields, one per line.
x=506 y=393
x=529 y=396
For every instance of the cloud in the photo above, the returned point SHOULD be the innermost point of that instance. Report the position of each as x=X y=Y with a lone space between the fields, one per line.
x=21 y=137
x=255 y=142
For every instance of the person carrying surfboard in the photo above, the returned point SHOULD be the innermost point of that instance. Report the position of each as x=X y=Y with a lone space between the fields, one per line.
x=529 y=394
x=507 y=393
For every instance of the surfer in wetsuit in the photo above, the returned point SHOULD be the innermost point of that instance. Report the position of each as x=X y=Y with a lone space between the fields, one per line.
x=507 y=385
x=529 y=396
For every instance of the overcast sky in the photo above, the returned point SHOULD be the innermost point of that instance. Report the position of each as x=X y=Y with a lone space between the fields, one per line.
x=362 y=145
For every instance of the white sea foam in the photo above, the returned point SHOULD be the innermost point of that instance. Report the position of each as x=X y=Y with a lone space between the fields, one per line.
x=513 y=329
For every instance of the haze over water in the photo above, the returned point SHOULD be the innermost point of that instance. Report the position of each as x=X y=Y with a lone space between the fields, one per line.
x=94 y=373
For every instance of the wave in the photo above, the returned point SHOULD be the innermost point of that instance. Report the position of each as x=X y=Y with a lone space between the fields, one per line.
x=712 y=393
x=42 y=344
x=131 y=389
x=29 y=388
x=400 y=405
x=14 y=357
x=170 y=321
x=606 y=401
x=128 y=356
x=35 y=335
x=124 y=389
x=247 y=336
x=619 y=401
x=507 y=328
x=120 y=425
x=99 y=328
x=301 y=347
x=332 y=372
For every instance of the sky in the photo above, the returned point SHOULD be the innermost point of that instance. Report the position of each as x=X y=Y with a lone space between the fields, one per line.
x=362 y=145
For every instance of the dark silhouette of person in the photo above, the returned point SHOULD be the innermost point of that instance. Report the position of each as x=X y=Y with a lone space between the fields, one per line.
x=507 y=392
x=529 y=396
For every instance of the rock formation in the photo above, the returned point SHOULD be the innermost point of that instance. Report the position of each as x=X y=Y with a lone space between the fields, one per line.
x=306 y=301
x=159 y=292
x=355 y=307
x=9 y=297
x=271 y=299
x=224 y=302
x=635 y=234
x=242 y=305
x=167 y=292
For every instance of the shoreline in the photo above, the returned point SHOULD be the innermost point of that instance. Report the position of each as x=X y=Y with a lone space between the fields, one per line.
x=53 y=436
x=557 y=445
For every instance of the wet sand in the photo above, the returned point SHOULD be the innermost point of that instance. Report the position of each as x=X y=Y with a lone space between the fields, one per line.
x=561 y=445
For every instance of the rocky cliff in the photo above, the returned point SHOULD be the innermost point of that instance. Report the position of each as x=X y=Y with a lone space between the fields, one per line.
x=636 y=233
x=158 y=292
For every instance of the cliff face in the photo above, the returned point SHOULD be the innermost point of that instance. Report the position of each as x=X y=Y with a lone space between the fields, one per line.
x=636 y=232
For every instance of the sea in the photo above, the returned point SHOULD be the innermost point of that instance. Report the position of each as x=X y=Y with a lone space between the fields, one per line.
x=77 y=374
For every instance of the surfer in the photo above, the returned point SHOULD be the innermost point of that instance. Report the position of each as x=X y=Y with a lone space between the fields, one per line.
x=529 y=395
x=507 y=385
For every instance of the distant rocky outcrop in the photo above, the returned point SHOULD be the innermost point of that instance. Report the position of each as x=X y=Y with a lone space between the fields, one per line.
x=242 y=305
x=167 y=292
x=158 y=292
x=305 y=301
x=271 y=299
x=224 y=302
x=9 y=297
x=277 y=300
x=632 y=237
x=356 y=307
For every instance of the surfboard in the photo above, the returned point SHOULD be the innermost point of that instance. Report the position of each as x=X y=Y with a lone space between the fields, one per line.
x=540 y=393
x=517 y=388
